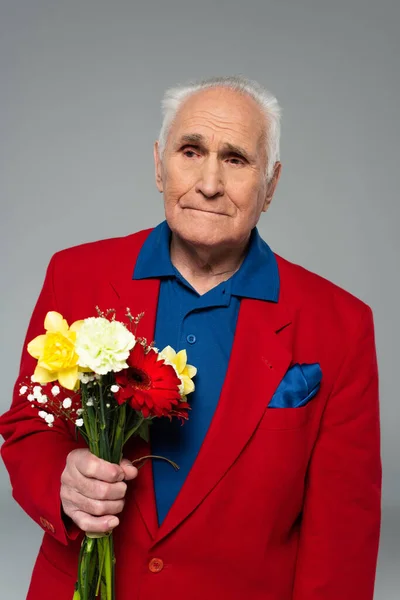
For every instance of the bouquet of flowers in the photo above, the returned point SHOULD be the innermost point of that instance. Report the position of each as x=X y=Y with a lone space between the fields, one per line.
x=113 y=384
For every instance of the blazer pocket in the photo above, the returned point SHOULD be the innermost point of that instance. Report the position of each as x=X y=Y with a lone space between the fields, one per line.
x=286 y=418
x=43 y=557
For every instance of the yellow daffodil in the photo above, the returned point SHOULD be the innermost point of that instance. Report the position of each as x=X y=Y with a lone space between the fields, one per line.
x=184 y=371
x=55 y=352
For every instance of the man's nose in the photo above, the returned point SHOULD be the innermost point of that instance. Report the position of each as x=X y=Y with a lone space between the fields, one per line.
x=210 y=182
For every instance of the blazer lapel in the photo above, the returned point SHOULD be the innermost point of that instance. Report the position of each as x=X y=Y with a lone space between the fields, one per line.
x=258 y=362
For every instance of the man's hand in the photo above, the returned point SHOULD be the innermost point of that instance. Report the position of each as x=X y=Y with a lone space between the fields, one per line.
x=93 y=490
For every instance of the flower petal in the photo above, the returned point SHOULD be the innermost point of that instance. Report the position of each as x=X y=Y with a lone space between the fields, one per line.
x=55 y=322
x=189 y=371
x=68 y=378
x=168 y=353
x=36 y=346
x=180 y=360
x=42 y=375
x=188 y=385
x=77 y=325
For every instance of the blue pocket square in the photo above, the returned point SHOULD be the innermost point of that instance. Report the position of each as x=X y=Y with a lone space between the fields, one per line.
x=298 y=386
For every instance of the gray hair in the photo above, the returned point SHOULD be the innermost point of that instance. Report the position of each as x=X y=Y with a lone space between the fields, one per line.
x=175 y=97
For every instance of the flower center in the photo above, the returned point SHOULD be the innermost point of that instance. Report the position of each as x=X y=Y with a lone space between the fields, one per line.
x=139 y=379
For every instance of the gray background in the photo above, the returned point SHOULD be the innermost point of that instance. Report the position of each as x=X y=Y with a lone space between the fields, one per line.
x=80 y=86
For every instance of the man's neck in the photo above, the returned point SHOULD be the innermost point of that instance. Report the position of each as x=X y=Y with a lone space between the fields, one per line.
x=205 y=268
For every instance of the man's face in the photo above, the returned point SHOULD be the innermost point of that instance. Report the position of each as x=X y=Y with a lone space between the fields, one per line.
x=213 y=170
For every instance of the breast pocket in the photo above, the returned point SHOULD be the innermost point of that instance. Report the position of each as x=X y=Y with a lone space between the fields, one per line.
x=287 y=418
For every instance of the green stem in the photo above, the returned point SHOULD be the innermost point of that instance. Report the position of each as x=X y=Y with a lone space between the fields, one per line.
x=101 y=564
x=133 y=429
x=108 y=567
x=171 y=462
x=104 y=442
x=118 y=440
x=86 y=568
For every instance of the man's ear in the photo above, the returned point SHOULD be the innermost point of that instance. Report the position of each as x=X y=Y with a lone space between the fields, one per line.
x=158 y=167
x=271 y=186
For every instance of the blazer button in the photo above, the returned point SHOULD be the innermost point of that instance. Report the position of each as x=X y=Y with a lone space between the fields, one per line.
x=46 y=524
x=156 y=565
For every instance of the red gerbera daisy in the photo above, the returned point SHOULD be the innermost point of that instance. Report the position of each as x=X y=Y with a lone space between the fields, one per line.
x=150 y=386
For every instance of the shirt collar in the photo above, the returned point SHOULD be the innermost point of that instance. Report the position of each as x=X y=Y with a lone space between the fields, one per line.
x=153 y=259
x=258 y=276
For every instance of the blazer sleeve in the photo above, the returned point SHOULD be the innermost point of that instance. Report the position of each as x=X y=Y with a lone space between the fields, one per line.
x=34 y=454
x=340 y=528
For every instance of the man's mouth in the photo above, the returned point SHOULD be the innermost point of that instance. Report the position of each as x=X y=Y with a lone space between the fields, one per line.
x=211 y=212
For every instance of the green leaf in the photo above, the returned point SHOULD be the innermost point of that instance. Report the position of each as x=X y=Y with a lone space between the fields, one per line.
x=143 y=431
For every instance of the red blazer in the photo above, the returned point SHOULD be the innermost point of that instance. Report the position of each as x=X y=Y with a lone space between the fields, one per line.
x=281 y=504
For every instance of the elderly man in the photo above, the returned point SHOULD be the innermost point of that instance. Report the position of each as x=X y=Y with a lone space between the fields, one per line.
x=278 y=494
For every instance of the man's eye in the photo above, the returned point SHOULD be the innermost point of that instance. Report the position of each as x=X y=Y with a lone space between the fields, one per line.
x=236 y=160
x=189 y=152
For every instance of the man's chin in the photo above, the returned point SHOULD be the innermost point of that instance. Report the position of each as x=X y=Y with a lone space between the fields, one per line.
x=199 y=236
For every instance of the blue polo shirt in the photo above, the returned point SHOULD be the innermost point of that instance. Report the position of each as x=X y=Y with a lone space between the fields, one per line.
x=205 y=326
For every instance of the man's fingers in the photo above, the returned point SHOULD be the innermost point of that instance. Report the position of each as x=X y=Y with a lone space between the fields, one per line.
x=130 y=472
x=91 y=488
x=93 y=467
x=73 y=500
x=91 y=524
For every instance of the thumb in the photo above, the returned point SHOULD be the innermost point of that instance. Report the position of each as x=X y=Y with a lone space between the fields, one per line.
x=129 y=470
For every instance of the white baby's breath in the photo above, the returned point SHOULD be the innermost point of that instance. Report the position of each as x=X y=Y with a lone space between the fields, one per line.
x=89 y=402
x=79 y=411
x=23 y=390
x=42 y=414
x=114 y=388
x=67 y=403
x=42 y=399
x=103 y=346
x=55 y=390
x=37 y=392
x=49 y=418
x=79 y=422
x=30 y=397
x=85 y=377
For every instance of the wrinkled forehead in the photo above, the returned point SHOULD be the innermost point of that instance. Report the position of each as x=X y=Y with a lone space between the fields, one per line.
x=221 y=116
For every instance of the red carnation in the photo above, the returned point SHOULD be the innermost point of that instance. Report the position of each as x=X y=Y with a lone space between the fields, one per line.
x=150 y=386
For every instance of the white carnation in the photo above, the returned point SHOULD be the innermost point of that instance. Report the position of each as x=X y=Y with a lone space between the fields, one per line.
x=103 y=345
